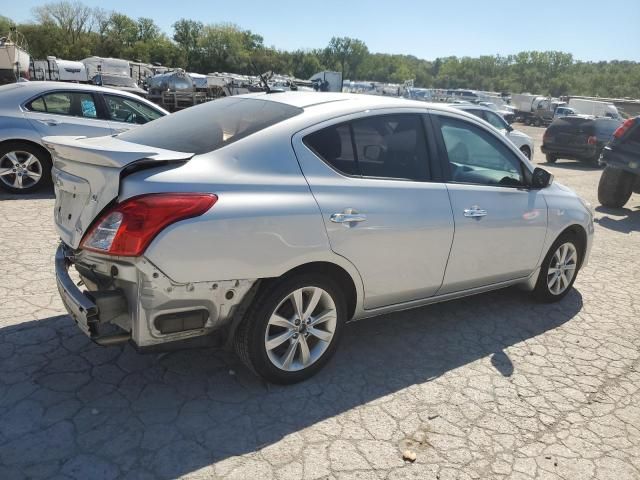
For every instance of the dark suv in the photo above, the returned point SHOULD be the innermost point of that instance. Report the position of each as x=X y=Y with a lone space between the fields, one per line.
x=621 y=158
x=578 y=138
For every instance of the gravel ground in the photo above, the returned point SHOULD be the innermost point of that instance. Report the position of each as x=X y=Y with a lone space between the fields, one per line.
x=493 y=386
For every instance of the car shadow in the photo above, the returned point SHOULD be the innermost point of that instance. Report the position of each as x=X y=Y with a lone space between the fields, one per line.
x=623 y=220
x=45 y=193
x=166 y=415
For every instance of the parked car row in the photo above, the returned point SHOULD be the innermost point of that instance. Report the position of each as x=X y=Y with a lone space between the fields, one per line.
x=32 y=110
x=295 y=213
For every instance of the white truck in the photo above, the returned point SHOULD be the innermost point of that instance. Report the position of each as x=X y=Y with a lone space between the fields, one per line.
x=535 y=109
x=596 y=108
x=59 y=70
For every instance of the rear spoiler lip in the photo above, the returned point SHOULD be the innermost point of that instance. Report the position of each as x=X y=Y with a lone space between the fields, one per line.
x=146 y=163
x=108 y=151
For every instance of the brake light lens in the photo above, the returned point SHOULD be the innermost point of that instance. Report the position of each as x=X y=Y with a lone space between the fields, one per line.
x=128 y=228
x=592 y=140
x=622 y=129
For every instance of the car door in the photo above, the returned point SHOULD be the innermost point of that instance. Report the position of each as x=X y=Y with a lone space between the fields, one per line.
x=73 y=113
x=126 y=113
x=500 y=223
x=372 y=179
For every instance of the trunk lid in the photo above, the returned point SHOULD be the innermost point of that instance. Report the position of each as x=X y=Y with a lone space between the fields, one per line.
x=86 y=176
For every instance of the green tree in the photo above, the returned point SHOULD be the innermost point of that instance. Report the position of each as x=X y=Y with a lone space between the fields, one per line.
x=347 y=53
x=148 y=31
x=73 y=18
x=187 y=34
x=5 y=24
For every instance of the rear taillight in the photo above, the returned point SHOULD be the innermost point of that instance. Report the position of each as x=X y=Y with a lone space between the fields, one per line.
x=592 y=140
x=128 y=228
x=622 y=129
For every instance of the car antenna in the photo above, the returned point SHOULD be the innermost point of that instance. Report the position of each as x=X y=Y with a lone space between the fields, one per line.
x=262 y=79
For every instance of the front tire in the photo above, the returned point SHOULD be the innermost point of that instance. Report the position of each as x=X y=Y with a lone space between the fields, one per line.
x=526 y=151
x=292 y=328
x=615 y=187
x=559 y=269
x=551 y=158
x=24 y=167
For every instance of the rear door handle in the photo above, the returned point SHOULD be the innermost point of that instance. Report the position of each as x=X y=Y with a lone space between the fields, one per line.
x=49 y=122
x=475 y=212
x=348 y=217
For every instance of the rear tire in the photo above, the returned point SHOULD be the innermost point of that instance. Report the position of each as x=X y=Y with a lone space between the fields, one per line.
x=551 y=158
x=526 y=151
x=24 y=167
x=615 y=187
x=272 y=317
x=559 y=269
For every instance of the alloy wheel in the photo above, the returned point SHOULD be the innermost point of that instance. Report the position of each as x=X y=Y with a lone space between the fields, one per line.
x=562 y=268
x=19 y=169
x=300 y=329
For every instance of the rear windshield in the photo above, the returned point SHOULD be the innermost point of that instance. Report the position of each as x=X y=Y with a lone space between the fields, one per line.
x=212 y=125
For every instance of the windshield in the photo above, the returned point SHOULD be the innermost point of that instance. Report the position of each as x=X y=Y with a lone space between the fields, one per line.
x=212 y=125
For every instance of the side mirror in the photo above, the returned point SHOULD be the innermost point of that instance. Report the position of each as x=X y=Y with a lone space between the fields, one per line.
x=509 y=128
x=540 y=178
x=372 y=152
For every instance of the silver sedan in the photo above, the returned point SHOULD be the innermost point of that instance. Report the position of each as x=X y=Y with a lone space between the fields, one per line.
x=274 y=219
x=32 y=110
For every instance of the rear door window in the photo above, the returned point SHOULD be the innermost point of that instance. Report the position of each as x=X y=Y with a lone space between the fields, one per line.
x=391 y=146
x=75 y=104
x=383 y=146
x=333 y=144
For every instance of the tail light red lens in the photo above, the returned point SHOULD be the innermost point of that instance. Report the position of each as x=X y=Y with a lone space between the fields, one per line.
x=622 y=129
x=128 y=228
x=592 y=140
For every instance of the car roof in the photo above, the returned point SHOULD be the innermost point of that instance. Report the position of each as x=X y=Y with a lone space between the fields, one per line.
x=345 y=101
x=33 y=88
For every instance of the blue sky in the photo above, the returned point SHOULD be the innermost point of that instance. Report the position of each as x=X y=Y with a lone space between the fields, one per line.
x=589 y=29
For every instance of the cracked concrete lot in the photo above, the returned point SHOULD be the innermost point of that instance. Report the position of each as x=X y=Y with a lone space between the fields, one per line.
x=490 y=387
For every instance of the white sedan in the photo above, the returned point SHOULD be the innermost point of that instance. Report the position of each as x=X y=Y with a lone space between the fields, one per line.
x=32 y=110
x=520 y=139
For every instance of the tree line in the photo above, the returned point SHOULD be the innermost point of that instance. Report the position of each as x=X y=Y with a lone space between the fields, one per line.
x=72 y=30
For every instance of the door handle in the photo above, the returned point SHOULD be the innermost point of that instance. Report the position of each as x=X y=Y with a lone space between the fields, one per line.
x=49 y=122
x=352 y=217
x=474 y=212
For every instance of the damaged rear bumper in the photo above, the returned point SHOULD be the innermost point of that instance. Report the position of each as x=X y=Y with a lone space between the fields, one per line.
x=145 y=305
x=80 y=305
